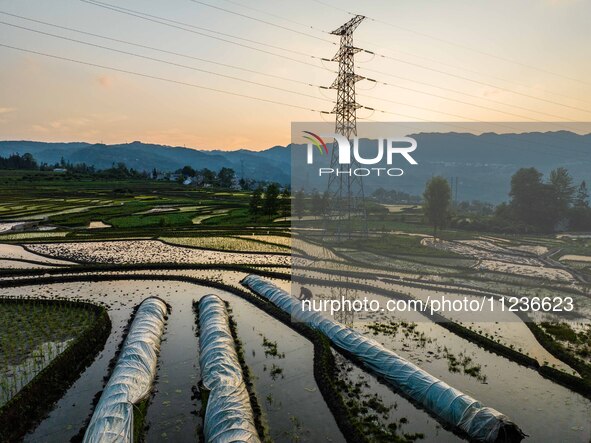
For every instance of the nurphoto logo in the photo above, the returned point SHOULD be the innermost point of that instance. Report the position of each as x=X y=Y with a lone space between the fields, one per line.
x=395 y=145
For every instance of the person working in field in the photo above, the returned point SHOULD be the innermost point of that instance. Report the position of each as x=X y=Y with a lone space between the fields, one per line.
x=305 y=294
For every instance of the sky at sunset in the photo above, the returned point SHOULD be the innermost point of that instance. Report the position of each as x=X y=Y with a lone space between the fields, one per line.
x=458 y=60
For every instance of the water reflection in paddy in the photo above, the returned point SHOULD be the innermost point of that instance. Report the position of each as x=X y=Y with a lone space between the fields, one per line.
x=292 y=402
x=519 y=392
x=543 y=409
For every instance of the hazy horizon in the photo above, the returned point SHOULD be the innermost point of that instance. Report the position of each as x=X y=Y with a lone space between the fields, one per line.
x=457 y=61
x=582 y=131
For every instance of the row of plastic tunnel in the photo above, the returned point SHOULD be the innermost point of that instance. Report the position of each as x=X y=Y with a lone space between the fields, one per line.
x=228 y=414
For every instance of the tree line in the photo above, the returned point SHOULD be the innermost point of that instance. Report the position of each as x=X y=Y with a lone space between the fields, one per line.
x=224 y=178
x=547 y=205
x=17 y=161
x=269 y=201
x=536 y=205
x=26 y=161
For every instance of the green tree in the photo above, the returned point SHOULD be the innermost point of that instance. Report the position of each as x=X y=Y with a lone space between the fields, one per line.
x=563 y=191
x=188 y=171
x=527 y=192
x=254 y=206
x=226 y=177
x=299 y=204
x=537 y=204
x=436 y=202
x=208 y=176
x=317 y=204
x=580 y=213
x=285 y=203
x=16 y=161
x=582 y=197
x=271 y=200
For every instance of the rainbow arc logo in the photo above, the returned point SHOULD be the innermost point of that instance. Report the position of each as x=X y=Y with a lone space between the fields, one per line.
x=316 y=141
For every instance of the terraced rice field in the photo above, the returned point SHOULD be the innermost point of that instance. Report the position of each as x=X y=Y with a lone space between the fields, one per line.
x=243 y=244
x=148 y=251
x=182 y=247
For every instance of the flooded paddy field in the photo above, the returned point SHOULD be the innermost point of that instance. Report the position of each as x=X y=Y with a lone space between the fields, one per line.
x=228 y=243
x=7 y=264
x=148 y=251
x=392 y=415
x=19 y=253
x=275 y=357
x=32 y=335
x=280 y=361
x=517 y=391
x=500 y=325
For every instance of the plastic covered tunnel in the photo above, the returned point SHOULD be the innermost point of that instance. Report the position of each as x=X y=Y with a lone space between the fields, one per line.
x=480 y=423
x=132 y=377
x=228 y=414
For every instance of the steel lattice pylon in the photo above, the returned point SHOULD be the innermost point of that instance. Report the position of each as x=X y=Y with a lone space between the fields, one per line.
x=345 y=191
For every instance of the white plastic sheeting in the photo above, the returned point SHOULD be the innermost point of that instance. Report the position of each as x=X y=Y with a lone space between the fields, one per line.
x=132 y=377
x=228 y=415
x=481 y=423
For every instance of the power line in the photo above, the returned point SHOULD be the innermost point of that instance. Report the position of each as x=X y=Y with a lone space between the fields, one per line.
x=223 y=75
x=164 y=51
x=219 y=8
x=486 y=74
x=305 y=25
x=295 y=80
x=234 y=78
x=154 y=77
x=456 y=92
x=413 y=106
x=439 y=71
x=467 y=103
x=462 y=68
x=227 y=65
x=461 y=77
x=456 y=125
x=165 y=62
x=450 y=99
x=226 y=76
x=231 y=93
x=374 y=53
x=186 y=26
x=488 y=54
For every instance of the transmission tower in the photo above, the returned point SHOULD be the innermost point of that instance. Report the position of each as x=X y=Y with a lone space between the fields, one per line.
x=345 y=191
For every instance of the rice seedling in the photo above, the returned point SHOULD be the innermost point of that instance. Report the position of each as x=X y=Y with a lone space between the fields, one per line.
x=241 y=243
x=272 y=239
x=150 y=251
x=32 y=334
x=32 y=235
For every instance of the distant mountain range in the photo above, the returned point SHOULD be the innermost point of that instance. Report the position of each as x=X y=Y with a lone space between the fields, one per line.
x=483 y=163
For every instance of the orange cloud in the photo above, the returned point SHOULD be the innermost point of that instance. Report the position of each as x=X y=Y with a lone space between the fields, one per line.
x=105 y=81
